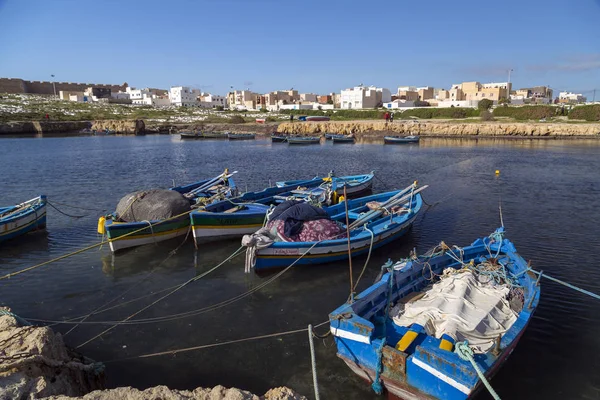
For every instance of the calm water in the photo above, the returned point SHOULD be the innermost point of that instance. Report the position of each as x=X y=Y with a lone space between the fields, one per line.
x=550 y=194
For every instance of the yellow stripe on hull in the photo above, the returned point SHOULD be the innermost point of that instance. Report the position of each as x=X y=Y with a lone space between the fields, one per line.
x=149 y=235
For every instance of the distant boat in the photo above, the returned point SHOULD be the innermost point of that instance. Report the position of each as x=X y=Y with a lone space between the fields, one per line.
x=354 y=183
x=278 y=138
x=304 y=140
x=329 y=136
x=318 y=118
x=103 y=132
x=342 y=139
x=401 y=139
x=190 y=135
x=241 y=136
x=19 y=219
x=214 y=135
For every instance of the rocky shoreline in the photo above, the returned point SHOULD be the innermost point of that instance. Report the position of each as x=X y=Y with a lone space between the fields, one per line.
x=426 y=128
x=36 y=364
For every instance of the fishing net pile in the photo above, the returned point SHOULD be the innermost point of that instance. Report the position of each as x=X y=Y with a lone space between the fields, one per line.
x=155 y=204
x=466 y=304
x=299 y=221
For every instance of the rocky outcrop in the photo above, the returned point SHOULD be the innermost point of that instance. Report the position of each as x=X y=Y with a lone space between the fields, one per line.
x=164 y=393
x=434 y=128
x=41 y=127
x=261 y=129
x=127 y=127
x=35 y=363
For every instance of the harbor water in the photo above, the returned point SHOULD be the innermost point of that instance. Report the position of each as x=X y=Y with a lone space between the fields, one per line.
x=550 y=196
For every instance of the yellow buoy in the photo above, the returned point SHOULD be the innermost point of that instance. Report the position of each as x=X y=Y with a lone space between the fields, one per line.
x=497 y=172
x=101 y=227
x=341 y=199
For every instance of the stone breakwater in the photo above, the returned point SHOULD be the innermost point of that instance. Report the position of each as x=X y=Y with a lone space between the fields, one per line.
x=39 y=127
x=436 y=128
x=36 y=364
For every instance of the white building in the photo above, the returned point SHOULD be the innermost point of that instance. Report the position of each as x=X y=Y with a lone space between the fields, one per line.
x=364 y=97
x=208 y=100
x=184 y=96
x=399 y=103
x=568 y=97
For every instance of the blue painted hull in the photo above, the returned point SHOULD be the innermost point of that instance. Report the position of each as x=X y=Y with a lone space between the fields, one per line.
x=283 y=254
x=424 y=370
x=23 y=218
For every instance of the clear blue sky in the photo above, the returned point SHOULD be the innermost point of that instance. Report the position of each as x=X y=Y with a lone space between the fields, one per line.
x=313 y=46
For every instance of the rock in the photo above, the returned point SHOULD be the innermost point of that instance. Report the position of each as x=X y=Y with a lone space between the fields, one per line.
x=140 y=127
x=35 y=363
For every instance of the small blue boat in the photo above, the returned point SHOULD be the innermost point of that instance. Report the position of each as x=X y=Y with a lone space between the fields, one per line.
x=241 y=136
x=278 y=138
x=368 y=230
x=22 y=218
x=244 y=214
x=122 y=235
x=337 y=139
x=400 y=333
x=355 y=184
x=191 y=135
x=401 y=139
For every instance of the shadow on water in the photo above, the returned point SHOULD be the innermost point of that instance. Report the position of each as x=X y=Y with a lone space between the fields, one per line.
x=549 y=191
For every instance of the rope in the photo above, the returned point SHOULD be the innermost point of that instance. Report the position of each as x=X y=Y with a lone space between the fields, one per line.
x=207 y=346
x=22 y=321
x=313 y=362
x=171 y=253
x=238 y=251
x=368 y=258
x=466 y=353
x=80 y=208
x=580 y=290
x=87 y=248
x=377 y=387
x=64 y=213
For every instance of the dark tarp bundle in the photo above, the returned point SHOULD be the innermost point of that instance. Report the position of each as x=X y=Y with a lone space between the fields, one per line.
x=155 y=204
x=294 y=213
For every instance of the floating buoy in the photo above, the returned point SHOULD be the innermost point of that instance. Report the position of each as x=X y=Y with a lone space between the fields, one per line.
x=497 y=172
x=101 y=228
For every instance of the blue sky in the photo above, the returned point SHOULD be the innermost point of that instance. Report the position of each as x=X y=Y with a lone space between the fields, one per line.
x=313 y=46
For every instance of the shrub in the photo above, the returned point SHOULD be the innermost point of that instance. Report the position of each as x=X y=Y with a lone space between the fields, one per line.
x=486 y=115
x=485 y=104
x=219 y=108
x=588 y=113
x=430 y=112
x=271 y=119
x=525 y=112
x=421 y=103
x=264 y=110
x=237 y=119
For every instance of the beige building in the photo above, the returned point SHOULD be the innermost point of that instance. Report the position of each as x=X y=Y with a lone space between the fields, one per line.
x=242 y=99
x=474 y=91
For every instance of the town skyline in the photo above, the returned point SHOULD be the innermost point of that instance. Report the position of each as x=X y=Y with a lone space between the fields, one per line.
x=246 y=47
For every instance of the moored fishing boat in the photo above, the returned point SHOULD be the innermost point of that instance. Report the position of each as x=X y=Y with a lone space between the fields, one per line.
x=190 y=135
x=124 y=234
x=22 y=218
x=400 y=139
x=278 y=138
x=329 y=136
x=355 y=184
x=421 y=341
x=242 y=215
x=241 y=136
x=369 y=229
x=304 y=140
x=342 y=139
x=317 y=118
x=214 y=135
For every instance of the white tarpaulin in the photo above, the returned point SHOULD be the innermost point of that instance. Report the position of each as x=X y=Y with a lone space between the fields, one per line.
x=461 y=307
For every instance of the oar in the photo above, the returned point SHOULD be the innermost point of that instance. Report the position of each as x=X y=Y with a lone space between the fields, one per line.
x=390 y=202
x=211 y=182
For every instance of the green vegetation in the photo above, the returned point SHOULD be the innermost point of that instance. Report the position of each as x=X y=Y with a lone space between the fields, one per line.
x=236 y=119
x=525 y=112
x=588 y=113
x=429 y=113
x=486 y=115
x=339 y=115
x=485 y=104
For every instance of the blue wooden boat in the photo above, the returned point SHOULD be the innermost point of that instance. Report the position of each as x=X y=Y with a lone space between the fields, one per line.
x=401 y=139
x=368 y=230
x=121 y=234
x=329 y=136
x=278 y=138
x=412 y=362
x=355 y=184
x=241 y=136
x=19 y=219
x=304 y=140
x=244 y=214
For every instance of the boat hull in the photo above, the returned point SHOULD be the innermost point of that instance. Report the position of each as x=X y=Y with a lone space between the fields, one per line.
x=212 y=226
x=278 y=256
x=297 y=141
x=28 y=221
x=400 y=140
x=123 y=235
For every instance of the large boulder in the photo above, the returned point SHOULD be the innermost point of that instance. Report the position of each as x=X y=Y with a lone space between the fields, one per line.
x=155 y=204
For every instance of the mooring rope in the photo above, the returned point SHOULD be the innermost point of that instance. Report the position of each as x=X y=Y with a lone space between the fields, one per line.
x=466 y=353
x=64 y=213
x=11 y=274
x=313 y=362
x=207 y=346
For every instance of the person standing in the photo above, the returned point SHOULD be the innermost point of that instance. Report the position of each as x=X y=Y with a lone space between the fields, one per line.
x=291 y=117
x=386 y=116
